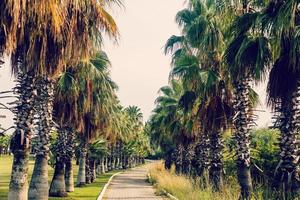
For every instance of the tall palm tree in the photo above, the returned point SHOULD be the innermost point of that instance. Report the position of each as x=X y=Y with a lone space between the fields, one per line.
x=248 y=57
x=65 y=107
x=281 y=21
x=87 y=94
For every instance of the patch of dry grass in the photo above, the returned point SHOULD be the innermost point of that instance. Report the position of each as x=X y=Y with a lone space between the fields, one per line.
x=183 y=187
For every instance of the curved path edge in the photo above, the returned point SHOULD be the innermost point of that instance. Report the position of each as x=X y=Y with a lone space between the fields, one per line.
x=101 y=195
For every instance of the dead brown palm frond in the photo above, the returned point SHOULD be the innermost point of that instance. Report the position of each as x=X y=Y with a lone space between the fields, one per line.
x=46 y=36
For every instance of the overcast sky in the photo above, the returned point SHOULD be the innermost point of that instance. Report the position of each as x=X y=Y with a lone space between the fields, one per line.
x=140 y=67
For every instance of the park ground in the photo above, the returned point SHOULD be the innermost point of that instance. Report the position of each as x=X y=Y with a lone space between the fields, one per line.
x=89 y=192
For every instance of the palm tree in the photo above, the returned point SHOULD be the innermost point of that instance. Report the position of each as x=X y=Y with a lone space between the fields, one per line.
x=58 y=184
x=65 y=107
x=248 y=57
x=281 y=21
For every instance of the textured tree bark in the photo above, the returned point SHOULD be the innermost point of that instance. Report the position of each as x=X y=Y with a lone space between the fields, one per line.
x=130 y=161
x=102 y=164
x=88 y=174
x=98 y=167
x=119 y=156
x=39 y=186
x=178 y=153
x=242 y=123
x=106 y=164
x=113 y=156
x=202 y=159
x=20 y=143
x=124 y=161
x=69 y=148
x=187 y=158
x=93 y=169
x=58 y=186
x=113 y=163
x=118 y=163
x=81 y=178
x=69 y=176
x=216 y=164
x=286 y=179
x=168 y=159
x=18 y=188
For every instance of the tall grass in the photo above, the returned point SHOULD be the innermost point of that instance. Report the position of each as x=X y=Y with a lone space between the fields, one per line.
x=184 y=187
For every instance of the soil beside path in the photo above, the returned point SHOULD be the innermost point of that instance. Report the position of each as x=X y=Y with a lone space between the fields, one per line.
x=131 y=185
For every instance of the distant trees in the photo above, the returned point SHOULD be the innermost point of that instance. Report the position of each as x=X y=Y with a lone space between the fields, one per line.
x=4 y=144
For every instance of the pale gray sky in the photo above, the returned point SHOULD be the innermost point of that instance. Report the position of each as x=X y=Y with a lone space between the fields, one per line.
x=140 y=67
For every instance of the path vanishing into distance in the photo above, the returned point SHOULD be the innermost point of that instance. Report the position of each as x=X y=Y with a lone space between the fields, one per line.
x=131 y=185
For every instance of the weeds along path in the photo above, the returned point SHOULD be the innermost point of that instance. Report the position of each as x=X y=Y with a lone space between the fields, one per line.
x=131 y=185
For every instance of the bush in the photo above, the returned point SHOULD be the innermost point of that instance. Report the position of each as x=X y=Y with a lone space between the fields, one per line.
x=264 y=154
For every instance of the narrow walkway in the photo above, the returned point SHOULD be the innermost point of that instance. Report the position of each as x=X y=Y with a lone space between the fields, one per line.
x=131 y=185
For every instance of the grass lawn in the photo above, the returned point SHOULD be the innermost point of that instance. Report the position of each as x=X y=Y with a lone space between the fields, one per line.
x=90 y=192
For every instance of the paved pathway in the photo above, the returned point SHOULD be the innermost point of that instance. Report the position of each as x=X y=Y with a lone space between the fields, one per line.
x=131 y=185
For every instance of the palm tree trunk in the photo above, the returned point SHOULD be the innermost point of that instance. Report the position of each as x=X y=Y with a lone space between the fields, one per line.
x=179 y=158
x=20 y=143
x=186 y=160
x=202 y=156
x=168 y=159
x=109 y=163
x=106 y=163
x=119 y=155
x=93 y=170
x=58 y=186
x=18 y=183
x=102 y=165
x=286 y=178
x=124 y=161
x=88 y=174
x=216 y=164
x=69 y=177
x=98 y=166
x=242 y=122
x=39 y=186
x=81 y=178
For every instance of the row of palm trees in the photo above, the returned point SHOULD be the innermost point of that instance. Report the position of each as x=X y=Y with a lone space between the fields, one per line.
x=224 y=48
x=121 y=149
x=63 y=82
